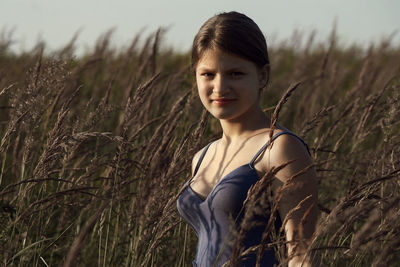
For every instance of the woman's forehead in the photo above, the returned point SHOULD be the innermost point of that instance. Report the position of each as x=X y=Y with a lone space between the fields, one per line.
x=211 y=58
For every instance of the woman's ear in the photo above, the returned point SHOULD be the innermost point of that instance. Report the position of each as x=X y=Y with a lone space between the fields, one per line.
x=264 y=76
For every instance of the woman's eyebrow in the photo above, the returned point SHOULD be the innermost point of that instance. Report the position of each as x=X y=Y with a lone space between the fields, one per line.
x=235 y=68
x=229 y=69
x=205 y=68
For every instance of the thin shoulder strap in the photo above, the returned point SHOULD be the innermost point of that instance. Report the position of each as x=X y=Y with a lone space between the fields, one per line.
x=271 y=140
x=201 y=158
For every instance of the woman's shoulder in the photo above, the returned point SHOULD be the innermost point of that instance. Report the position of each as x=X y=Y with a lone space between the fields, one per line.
x=286 y=144
x=198 y=154
x=287 y=147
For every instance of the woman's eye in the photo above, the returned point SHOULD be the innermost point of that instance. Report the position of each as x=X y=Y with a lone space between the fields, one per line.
x=207 y=74
x=236 y=74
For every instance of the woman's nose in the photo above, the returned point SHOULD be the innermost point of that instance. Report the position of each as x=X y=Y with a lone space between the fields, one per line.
x=221 y=85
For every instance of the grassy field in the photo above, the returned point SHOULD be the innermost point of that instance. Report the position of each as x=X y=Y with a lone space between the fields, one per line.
x=94 y=150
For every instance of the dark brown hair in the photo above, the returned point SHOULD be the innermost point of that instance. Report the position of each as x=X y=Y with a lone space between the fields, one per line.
x=234 y=33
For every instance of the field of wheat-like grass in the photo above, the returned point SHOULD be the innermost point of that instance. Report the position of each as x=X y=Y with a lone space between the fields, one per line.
x=94 y=150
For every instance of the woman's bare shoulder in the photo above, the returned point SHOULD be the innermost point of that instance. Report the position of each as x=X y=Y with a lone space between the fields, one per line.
x=289 y=145
x=196 y=158
x=286 y=148
x=197 y=155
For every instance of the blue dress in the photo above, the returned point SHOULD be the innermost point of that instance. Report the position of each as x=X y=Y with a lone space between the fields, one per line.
x=211 y=218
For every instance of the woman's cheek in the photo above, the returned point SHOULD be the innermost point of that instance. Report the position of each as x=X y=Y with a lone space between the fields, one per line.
x=203 y=97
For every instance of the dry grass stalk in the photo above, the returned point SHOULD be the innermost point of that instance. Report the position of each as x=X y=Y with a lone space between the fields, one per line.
x=282 y=101
x=78 y=243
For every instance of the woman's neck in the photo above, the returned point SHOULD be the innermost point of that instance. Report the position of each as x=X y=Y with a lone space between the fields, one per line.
x=245 y=126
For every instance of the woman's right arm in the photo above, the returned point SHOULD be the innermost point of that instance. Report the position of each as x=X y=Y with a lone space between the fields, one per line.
x=298 y=196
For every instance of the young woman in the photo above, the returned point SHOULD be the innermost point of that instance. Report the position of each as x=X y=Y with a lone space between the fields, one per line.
x=231 y=65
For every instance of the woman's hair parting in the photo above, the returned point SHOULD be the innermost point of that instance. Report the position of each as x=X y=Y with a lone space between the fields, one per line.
x=234 y=33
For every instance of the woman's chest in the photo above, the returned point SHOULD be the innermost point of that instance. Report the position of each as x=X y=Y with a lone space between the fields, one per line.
x=217 y=173
x=225 y=199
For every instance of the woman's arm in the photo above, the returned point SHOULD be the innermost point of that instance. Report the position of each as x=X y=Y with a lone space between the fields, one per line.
x=296 y=189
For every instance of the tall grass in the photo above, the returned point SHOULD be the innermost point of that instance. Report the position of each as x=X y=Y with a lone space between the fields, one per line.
x=94 y=150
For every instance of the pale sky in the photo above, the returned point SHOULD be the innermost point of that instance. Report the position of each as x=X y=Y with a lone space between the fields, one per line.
x=56 y=21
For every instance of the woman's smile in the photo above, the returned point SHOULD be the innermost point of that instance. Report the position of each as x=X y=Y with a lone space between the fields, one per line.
x=223 y=101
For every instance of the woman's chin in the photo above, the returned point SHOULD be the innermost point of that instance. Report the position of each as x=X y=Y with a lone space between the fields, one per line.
x=227 y=116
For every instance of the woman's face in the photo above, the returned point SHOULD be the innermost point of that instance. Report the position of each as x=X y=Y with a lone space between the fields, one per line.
x=229 y=86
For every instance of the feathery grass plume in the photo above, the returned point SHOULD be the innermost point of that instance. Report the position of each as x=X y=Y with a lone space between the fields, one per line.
x=278 y=107
x=133 y=105
x=67 y=52
x=313 y=122
x=6 y=39
x=102 y=110
x=153 y=190
x=55 y=139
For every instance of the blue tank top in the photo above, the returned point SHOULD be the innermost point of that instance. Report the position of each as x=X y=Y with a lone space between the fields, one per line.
x=211 y=218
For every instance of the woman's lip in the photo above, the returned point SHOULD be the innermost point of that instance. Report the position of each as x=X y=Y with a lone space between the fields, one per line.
x=221 y=101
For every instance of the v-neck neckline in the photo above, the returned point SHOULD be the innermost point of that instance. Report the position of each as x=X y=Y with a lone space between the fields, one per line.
x=203 y=200
x=250 y=165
